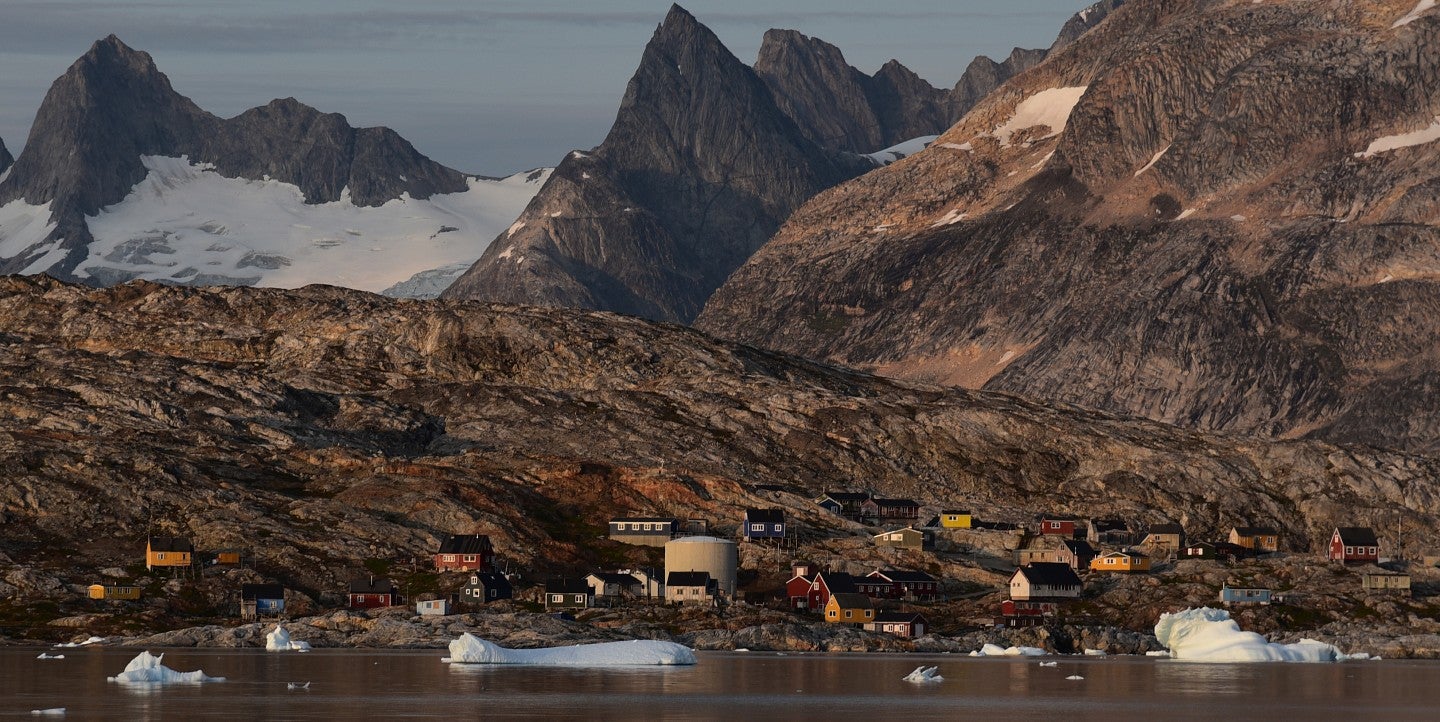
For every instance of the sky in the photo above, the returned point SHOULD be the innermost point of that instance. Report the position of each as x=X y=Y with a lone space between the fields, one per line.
x=484 y=87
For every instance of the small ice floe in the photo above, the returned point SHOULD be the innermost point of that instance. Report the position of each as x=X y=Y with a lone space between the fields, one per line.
x=278 y=640
x=995 y=650
x=469 y=649
x=51 y=712
x=1160 y=653
x=297 y=685
x=90 y=641
x=1210 y=635
x=742 y=649
x=923 y=674
x=1049 y=664
x=146 y=668
x=1074 y=676
x=1095 y=653
x=50 y=656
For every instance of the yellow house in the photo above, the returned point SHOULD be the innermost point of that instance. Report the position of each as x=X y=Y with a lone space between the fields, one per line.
x=106 y=591
x=849 y=608
x=227 y=556
x=167 y=551
x=1120 y=562
x=955 y=519
x=1262 y=539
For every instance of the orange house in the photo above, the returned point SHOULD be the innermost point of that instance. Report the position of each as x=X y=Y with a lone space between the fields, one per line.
x=849 y=608
x=1260 y=539
x=1120 y=562
x=167 y=551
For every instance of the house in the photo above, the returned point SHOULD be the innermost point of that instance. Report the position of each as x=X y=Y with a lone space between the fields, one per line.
x=827 y=584
x=1075 y=552
x=954 y=519
x=763 y=524
x=797 y=589
x=650 y=531
x=168 y=551
x=611 y=587
x=902 y=584
x=1028 y=612
x=651 y=583
x=1244 y=595
x=227 y=556
x=432 y=607
x=1213 y=550
x=369 y=592
x=690 y=588
x=114 y=591
x=843 y=503
x=1045 y=581
x=900 y=624
x=1354 y=544
x=486 y=587
x=907 y=538
x=568 y=594
x=1059 y=526
x=1256 y=539
x=1107 y=531
x=890 y=509
x=1385 y=582
x=465 y=553
x=1126 y=561
x=261 y=600
x=847 y=608
x=1164 y=538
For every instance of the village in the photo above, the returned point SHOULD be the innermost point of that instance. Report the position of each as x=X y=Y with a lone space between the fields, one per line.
x=1057 y=569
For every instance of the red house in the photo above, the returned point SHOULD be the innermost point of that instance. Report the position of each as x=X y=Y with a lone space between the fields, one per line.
x=890 y=509
x=465 y=553
x=1058 y=526
x=827 y=584
x=798 y=589
x=1027 y=612
x=369 y=592
x=1354 y=544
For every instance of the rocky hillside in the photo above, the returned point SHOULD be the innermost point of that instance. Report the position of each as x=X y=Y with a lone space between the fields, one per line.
x=321 y=428
x=1216 y=214
x=707 y=157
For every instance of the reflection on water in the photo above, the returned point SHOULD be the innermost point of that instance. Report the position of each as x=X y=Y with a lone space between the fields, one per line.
x=374 y=684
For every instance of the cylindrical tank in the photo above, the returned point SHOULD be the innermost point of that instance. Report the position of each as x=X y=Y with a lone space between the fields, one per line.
x=720 y=557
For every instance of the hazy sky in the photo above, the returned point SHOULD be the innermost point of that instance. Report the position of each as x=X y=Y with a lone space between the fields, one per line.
x=486 y=87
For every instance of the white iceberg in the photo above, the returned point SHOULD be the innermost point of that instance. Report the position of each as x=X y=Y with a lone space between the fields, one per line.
x=469 y=649
x=995 y=650
x=1159 y=653
x=1210 y=635
x=1074 y=676
x=146 y=668
x=923 y=674
x=90 y=641
x=1095 y=653
x=278 y=640
x=50 y=656
x=1049 y=664
x=51 y=712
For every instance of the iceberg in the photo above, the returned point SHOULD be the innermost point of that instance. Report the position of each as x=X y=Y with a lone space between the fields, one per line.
x=995 y=650
x=51 y=712
x=43 y=655
x=90 y=641
x=923 y=674
x=278 y=640
x=146 y=668
x=1210 y=635
x=469 y=649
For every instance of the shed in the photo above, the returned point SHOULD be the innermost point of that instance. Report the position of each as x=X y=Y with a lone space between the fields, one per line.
x=900 y=624
x=261 y=600
x=432 y=607
x=690 y=588
x=465 y=553
x=568 y=594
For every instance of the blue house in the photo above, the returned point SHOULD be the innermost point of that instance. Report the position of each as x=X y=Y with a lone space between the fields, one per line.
x=1244 y=595
x=262 y=600
x=762 y=524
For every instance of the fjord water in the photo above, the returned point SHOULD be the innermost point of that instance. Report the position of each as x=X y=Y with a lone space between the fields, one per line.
x=368 y=684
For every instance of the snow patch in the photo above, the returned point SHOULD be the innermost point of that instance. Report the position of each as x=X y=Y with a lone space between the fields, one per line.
x=1185 y=214
x=1210 y=635
x=1414 y=14
x=995 y=650
x=953 y=216
x=23 y=229
x=146 y=668
x=517 y=225
x=958 y=146
x=1153 y=160
x=278 y=640
x=1043 y=161
x=469 y=649
x=923 y=674
x=1237 y=218
x=1388 y=143
x=900 y=150
x=1050 y=108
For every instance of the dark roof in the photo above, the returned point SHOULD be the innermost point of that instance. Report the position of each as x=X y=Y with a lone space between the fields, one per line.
x=1126 y=553
x=1256 y=531
x=838 y=582
x=465 y=544
x=567 y=586
x=766 y=516
x=616 y=578
x=852 y=600
x=652 y=519
x=170 y=544
x=1166 y=529
x=687 y=579
x=1079 y=547
x=1053 y=574
x=846 y=495
x=911 y=617
x=895 y=502
x=490 y=579
x=1358 y=536
x=1102 y=525
x=262 y=591
x=954 y=511
x=371 y=585
x=900 y=575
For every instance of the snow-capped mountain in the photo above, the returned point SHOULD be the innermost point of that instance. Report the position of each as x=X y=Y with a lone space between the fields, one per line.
x=124 y=178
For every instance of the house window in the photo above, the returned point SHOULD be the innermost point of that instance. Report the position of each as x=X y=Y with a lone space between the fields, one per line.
x=647 y=527
x=778 y=527
x=1109 y=561
x=757 y=527
x=1349 y=550
x=1374 y=550
x=1054 y=525
x=494 y=592
x=160 y=556
x=448 y=557
x=469 y=557
x=359 y=598
x=848 y=614
x=557 y=598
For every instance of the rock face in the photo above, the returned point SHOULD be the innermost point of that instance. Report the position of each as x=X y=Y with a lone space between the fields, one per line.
x=113 y=106
x=5 y=158
x=322 y=427
x=1221 y=216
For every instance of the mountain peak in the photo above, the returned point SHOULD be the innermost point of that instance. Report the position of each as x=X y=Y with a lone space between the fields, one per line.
x=111 y=53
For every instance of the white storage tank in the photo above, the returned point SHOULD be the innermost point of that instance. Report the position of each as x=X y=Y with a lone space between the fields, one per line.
x=720 y=557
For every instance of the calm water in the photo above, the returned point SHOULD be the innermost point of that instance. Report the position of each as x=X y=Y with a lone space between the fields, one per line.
x=363 y=684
